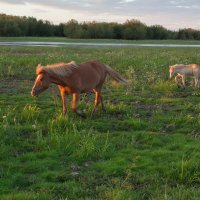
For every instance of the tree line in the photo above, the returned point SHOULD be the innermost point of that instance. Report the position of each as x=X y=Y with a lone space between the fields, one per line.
x=27 y=26
x=130 y=30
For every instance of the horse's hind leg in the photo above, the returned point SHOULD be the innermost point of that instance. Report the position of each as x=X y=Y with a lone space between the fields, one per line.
x=96 y=102
x=102 y=104
x=183 y=80
x=75 y=104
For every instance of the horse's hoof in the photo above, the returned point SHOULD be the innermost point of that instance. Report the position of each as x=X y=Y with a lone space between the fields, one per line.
x=81 y=114
x=91 y=116
x=103 y=110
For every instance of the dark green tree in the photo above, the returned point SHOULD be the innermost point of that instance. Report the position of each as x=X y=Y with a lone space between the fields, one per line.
x=72 y=29
x=134 y=30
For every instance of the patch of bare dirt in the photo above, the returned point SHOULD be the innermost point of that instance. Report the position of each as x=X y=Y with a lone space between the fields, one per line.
x=143 y=109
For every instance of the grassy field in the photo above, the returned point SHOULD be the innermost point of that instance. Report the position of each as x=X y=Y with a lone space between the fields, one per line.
x=146 y=145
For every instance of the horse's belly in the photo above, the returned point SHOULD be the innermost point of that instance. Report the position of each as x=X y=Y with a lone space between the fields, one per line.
x=88 y=86
x=86 y=90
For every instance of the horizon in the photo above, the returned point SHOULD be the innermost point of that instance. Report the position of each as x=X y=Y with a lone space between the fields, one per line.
x=173 y=15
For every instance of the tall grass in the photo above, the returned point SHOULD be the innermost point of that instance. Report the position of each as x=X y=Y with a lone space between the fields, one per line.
x=145 y=146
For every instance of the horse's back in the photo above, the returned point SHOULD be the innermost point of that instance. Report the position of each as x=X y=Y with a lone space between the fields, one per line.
x=195 y=66
x=93 y=66
x=190 y=69
x=196 y=70
x=92 y=70
x=88 y=75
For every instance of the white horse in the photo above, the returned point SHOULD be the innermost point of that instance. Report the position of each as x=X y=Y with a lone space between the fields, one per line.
x=182 y=71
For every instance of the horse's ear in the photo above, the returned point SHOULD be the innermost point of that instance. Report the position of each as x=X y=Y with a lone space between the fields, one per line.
x=39 y=69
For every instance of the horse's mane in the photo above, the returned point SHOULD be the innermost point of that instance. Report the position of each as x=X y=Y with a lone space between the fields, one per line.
x=61 y=69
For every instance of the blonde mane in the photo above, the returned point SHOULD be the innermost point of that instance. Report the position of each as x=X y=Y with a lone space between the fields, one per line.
x=61 y=69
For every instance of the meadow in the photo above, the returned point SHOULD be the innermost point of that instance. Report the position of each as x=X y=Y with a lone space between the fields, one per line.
x=146 y=145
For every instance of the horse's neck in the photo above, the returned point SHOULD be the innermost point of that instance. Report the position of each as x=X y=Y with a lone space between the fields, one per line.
x=58 y=80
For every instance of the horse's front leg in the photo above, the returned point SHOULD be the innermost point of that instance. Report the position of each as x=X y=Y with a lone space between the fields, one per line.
x=196 y=80
x=183 y=80
x=75 y=97
x=64 y=101
x=96 y=102
x=176 y=79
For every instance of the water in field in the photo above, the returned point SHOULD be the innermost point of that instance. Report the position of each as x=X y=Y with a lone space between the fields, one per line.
x=59 y=44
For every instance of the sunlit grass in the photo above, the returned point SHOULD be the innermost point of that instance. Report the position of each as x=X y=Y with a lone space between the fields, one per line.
x=145 y=146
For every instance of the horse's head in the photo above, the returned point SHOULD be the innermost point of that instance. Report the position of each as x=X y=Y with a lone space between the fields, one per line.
x=171 y=71
x=42 y=81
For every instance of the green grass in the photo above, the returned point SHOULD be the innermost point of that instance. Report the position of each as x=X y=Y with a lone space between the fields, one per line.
x=146 y=145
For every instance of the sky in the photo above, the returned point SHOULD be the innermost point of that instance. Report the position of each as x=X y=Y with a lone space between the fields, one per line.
x=172 y=14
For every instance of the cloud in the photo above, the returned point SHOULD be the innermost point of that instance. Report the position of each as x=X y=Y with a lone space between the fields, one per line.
x=126 y=1
x=187 y=7
x=124 y=6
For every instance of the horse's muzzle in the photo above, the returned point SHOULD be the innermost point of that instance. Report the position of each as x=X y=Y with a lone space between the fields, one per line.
x=34 y=93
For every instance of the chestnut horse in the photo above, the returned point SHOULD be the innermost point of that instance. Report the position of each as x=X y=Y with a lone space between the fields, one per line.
x=74 y=79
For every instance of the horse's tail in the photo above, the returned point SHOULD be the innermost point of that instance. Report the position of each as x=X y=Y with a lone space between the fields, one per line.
x=115 y=75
